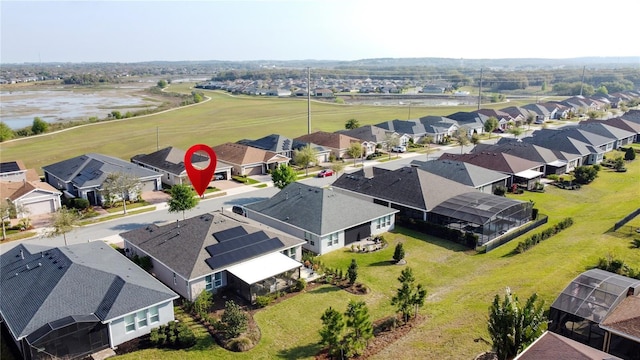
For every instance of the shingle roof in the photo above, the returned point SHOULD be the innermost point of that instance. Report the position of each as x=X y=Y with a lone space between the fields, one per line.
x=619 y=123
x=274 y=142
x=553 y=346
x=181 y=245
x=15 y=190
x=412 y=127
x=318 y=210
x=557 y=141
x=40 y=285
x=505 y=163
x=464 y=173
x=625 y=318
x=171 y=159
x=606 y=130
x=521 y=149
x=331 y=140
x=411 y=187
x=240 y=154
x=368 y=133
x=92 y=169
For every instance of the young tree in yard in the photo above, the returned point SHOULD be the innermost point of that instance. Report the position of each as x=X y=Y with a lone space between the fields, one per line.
x=234 y=320
x=282 y=176
x=304 y=156
x=355 y=151
x=515 y=131
x=461 y=138
x=391 y=140
x=585 y=174
x=6 y=133
x=352 y=124
x=337 y=167
x=39 y=126
x=409 y=297
x=475 y=139
x=490 y=125
x=512 y=326
x=331 y=332
x=183 y=198
x=62 y=222
x=530 y=119
x=352 y=272
x=359 y=328
x=398 y=253
x=120 y=185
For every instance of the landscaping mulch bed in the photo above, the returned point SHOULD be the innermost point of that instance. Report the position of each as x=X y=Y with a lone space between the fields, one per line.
x=384 y=335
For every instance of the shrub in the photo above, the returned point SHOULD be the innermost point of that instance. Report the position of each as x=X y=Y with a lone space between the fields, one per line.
x=234 y=320
x=500 y=190
x=629 y=154
x=263 y=301
x=534 y=213
x=398 y=254
x=301 y=284
x=174 y=335
x=635 y=243
x=553 y=177
x=240 y=344
x=585 y=174
x=79 y=203
x=203 y=303
x=543 y=235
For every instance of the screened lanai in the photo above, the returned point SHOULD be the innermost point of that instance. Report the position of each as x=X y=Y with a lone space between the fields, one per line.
x=486 y=215
x=586 y=302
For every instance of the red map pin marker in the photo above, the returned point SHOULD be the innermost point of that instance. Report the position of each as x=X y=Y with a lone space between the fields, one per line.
x=200 y=178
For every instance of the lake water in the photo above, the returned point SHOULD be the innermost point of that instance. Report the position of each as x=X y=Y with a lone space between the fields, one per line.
x=18 y=108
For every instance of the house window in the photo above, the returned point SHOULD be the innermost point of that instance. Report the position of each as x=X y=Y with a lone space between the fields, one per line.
x=312 y=243
x=333 y=239
x=383 y=221
x=154 y=315
x=292 y=253
x=129 y=323
x=142 y=318
x=217 y=280
x=208 y=283
x=307 y=237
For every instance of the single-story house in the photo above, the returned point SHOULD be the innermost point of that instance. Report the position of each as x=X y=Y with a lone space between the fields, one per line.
x=371 y=134
x=555 y=140
x=600 y=309
x=622 y=124
x=170 y=163
x=72 y=301
x=554 y=161
x=217 y=250
x=622 y=137
x=604 y=143
x=325 y=93
x=483 y=180
x=439 y=127
x=285 y=146
x=471 y=120
x=23 y=188
x=406 y=129
x=521 y=171
x=541 y=112
x=247 y=160
x=503 y=118
x=327 y=220
x=336 y=142
x=83 y=176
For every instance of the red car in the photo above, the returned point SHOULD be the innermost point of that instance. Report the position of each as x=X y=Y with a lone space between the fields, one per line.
x=325 y=173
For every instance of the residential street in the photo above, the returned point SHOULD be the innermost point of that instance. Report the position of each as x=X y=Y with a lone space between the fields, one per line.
x=109 y=230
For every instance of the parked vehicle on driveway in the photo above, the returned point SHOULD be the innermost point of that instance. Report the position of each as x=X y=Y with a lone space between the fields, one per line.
x=399 y=149
x=325 y=173
x=239 y=210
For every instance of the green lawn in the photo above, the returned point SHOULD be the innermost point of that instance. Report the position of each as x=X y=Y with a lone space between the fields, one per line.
x=222 y=119
x=461 y=284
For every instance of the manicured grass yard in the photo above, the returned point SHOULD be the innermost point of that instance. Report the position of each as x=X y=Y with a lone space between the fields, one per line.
x=461 y=284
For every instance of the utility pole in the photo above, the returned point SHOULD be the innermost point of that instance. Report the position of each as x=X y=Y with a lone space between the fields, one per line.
x=480 y=90
x=308 y=100
x=157 y=138
x=582 y=81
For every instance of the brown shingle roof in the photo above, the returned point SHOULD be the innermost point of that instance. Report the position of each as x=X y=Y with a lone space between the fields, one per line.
x=502 y=162
x=554 y=346
x=240 y=154
x=331 y=140
x=625 y=318
x=15 y=189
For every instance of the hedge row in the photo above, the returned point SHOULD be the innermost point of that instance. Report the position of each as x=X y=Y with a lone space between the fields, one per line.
x=173 y=335
x=534 y=239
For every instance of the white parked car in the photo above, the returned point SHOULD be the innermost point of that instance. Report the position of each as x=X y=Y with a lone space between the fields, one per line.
x=399 y=149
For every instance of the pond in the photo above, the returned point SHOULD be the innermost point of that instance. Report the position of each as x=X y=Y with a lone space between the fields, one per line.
x=19 y=107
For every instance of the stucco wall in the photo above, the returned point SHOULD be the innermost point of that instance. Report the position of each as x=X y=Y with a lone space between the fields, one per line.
x=119 y=335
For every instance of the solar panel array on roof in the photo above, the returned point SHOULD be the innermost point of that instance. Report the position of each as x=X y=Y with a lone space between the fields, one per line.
x=249 y=250
x=227 y=234
x=237 y=242
x=10 y=166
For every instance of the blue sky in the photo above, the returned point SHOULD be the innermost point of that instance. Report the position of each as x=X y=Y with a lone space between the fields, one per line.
x=133 y=31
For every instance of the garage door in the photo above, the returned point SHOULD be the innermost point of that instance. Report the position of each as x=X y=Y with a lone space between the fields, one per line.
x=357 y=233
x=149 y=185
x=41 y=207
x=257 y=170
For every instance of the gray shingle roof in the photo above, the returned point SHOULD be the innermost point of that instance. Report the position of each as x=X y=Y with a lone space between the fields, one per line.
x=181 y=245
x=82 y=279
x=368 y=133
x=408 y=186
x=412 y=127
x=464 y=173
x=319 y=211
x=92 y=169
x=522 y=150
x=171 y=159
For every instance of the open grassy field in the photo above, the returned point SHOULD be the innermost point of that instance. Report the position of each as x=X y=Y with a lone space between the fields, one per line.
x=224 y=118
x=461 y=284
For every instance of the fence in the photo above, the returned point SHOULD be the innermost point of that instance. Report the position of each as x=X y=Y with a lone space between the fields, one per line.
x=542 y=219
x=626 y=219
